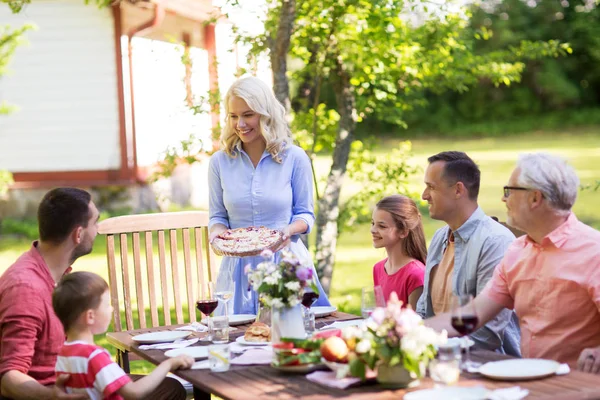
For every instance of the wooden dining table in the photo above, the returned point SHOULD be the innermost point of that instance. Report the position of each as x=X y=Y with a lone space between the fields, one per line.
x=264 y=382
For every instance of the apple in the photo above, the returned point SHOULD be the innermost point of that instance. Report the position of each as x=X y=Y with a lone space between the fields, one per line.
x=334 y=349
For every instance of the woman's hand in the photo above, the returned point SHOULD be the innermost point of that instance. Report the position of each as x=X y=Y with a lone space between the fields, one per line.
x=286 y=239
x=215 y=231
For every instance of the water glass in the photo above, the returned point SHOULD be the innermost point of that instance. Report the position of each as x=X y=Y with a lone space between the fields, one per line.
x=445 y=368
x=371 y=297
x=218 y=357
x=220 y=329
x=309 y=321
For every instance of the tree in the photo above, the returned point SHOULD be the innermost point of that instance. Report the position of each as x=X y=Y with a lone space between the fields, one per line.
x=17 y=5
x=373 y=59
x=550 y=87
x=10 y=39
x=380 y=64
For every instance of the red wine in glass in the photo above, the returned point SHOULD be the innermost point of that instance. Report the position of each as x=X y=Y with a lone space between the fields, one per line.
x=207 y=307
x=309 y=298
x=464 y=324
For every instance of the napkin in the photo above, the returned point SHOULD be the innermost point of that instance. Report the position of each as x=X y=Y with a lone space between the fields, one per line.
x=259 y=355
x=327 y=378
x=240 y=348
x=178 y=344
x=204 y=364
x=194 y=327
x=511 y=393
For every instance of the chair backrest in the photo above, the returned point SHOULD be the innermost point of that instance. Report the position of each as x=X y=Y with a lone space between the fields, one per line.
x=514 y=231
x=192 y=228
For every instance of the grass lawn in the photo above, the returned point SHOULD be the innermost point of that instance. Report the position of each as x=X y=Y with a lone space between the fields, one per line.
x=355 y=255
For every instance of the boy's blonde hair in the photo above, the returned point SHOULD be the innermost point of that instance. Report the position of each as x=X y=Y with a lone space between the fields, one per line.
x=76 y=293
x=273 y=125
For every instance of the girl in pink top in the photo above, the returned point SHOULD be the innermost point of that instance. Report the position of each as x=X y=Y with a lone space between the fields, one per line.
x=396 y=226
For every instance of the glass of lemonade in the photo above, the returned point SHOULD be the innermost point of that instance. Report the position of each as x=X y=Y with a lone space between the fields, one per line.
x=218 y=357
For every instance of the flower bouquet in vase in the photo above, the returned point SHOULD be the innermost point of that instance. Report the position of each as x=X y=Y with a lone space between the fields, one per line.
x=394 y=343
x=280 y=287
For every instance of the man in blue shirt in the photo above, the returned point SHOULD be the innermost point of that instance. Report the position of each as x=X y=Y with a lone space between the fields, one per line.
x=463 y=254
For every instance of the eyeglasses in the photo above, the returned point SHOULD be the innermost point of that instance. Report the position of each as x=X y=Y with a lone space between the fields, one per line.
x=507 y=189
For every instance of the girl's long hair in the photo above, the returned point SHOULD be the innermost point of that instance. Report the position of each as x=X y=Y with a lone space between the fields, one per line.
x=407 y=218
x=273 y=125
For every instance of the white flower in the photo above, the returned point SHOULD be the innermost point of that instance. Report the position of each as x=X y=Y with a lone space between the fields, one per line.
x=276 y=303
x=351 y=332
x=363 y=346
x=294 y=286
x=293 y=300
x=267 y=300
x=271 y=280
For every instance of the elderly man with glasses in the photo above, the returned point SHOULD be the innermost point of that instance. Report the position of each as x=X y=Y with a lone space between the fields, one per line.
x=551 y=276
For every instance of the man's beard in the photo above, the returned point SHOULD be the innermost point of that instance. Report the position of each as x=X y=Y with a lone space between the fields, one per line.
x=81 y=250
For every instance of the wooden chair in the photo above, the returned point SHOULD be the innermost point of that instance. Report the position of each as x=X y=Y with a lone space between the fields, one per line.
x=515 y=231
x=192 y=228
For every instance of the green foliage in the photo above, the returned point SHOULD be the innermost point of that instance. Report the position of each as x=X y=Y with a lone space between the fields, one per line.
x=379 y=176
x=10 y=39
x=17 y=5
x=26 y=228
x=315 y=130
x=6 y=179
x=548 y=85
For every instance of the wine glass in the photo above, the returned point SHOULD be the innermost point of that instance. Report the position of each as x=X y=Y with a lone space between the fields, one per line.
x=206 y=304
x=368 y=301
x=464 y=319
x=224 y=296
x=308 y=299
x=371 y=298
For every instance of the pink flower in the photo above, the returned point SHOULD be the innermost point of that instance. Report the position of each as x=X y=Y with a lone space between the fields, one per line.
x=406 y=320
x=247 y=268
x=378 y=315
x=304 y=274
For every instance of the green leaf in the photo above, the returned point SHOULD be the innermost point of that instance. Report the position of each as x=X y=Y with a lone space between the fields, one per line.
x=357 y=368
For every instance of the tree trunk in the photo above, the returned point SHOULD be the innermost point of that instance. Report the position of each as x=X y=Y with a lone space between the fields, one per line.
x=279 y=47
x=327 y=218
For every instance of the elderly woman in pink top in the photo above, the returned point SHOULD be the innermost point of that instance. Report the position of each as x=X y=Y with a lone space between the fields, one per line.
x=551 y=276
x=396 y=226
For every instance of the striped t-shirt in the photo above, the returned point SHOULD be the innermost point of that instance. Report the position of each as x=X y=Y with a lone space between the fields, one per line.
x=92 y=371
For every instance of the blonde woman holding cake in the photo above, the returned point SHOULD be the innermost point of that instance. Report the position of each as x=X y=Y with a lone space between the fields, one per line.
x=258 y=178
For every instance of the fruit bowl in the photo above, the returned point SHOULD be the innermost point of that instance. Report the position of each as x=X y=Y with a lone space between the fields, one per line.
x=340 y=369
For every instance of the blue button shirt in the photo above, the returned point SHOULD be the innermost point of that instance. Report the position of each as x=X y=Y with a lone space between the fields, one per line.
x=272 y=195
x=479 y=246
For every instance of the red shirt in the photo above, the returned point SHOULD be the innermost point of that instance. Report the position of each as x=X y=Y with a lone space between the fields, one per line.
x=91 y=370
x=31 y=335
x=403 y=282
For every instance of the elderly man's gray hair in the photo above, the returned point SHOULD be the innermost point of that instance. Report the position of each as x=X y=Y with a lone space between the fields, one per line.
x=552 y=176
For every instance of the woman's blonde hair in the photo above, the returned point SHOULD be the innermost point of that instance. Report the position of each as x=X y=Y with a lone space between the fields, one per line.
x=273 y=125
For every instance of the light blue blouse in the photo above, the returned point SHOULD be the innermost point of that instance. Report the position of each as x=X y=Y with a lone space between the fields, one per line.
x=273 y=195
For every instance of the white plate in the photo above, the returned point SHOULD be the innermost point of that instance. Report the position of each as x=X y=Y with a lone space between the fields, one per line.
x=243 y=341
x=322 y=311
x=195 y=352
x=448 y=393
x=237 y=319
x=343 y=324
x=519 y=369
x=161 y=337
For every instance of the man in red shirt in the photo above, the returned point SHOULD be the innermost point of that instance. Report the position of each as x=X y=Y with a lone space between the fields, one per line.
x=30 y=333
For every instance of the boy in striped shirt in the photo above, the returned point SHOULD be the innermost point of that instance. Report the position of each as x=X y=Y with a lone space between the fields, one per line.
x=82 y=303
